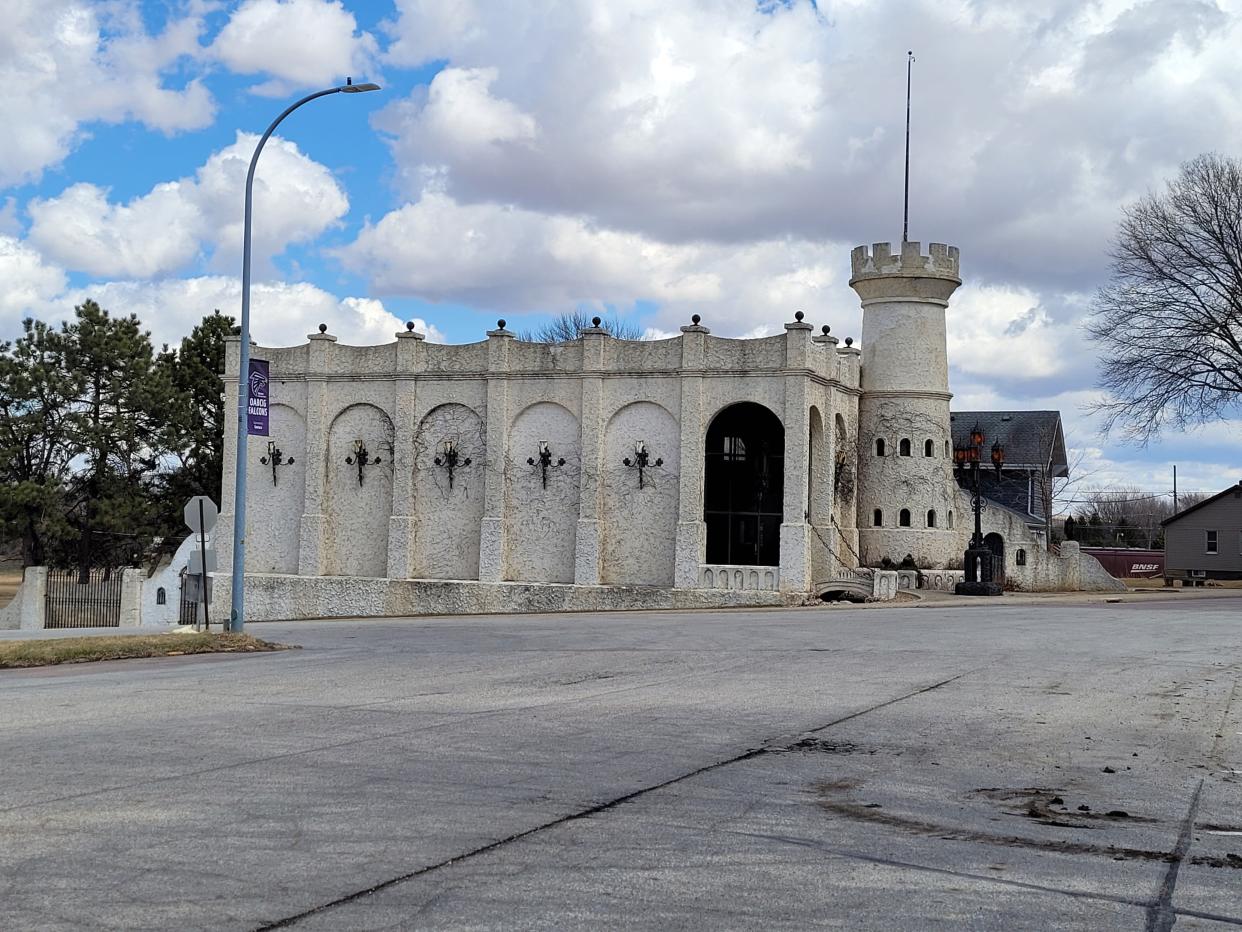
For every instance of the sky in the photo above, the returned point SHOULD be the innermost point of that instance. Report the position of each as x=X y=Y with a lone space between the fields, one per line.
x=649 y=159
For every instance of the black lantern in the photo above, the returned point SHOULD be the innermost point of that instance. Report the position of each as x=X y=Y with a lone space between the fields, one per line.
x=544 y=461
x=641 y=460
x=449 y=459
x=275 y=458
x=362 y=458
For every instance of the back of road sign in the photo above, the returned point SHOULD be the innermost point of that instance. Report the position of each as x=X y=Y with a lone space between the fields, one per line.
x=201 y=514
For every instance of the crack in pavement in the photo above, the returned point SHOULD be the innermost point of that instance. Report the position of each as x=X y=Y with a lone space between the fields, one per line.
x=766 y=748
x=1161 y=915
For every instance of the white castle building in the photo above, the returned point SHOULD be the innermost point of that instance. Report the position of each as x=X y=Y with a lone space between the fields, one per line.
x=413 y=477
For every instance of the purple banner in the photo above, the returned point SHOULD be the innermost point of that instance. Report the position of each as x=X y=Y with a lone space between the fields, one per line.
x=256 y=416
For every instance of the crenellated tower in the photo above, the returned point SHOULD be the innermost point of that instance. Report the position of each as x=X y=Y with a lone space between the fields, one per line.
x=907 y=495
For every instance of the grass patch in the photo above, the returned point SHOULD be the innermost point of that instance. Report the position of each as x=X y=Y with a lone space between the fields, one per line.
x=84 y=650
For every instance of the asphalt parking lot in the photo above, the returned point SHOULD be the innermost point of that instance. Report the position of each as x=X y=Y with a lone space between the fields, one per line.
x=998 y=766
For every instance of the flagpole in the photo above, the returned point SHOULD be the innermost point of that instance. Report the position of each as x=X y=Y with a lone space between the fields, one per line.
x=905 y=219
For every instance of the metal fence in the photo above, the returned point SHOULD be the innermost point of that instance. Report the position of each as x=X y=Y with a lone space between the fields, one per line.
x=71 y=603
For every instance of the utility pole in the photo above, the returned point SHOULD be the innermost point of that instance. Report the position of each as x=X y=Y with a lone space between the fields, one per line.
x=1175 y=488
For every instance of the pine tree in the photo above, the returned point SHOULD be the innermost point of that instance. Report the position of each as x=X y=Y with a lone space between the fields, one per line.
x=36 y=440
x=195 y=416
x=118 y=405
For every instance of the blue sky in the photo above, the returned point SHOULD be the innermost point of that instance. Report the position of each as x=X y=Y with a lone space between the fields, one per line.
x=650 y=159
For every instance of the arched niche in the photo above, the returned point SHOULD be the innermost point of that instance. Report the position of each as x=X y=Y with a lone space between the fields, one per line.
x=640 y=523
x=275 y=497
x=449 y=458
x=844 y=475
x=358 y=503
x=744 y=485
x=819 y=479
x=542 y=503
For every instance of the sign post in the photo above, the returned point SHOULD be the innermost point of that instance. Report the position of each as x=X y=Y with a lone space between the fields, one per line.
x=200 y=517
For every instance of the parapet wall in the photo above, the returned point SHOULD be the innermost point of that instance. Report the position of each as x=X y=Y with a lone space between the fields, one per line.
x=879 y=259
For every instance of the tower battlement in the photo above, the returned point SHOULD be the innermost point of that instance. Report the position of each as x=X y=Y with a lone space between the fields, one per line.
x=879 y=260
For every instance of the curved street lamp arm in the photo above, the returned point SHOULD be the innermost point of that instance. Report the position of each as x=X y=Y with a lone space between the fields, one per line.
x=237 y=594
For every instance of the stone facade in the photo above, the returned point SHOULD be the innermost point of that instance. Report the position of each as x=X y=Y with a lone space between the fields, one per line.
x=504 y=466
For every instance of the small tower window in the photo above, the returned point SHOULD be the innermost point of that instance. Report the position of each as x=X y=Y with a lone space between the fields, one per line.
x=946 y=449
x=161 y=597
x=931 y=515
x=903 y=518
x=929 y=449
x=1020 y=557
x=879 y=447
x=877 y=518
x=904 y=448
x=950 y=519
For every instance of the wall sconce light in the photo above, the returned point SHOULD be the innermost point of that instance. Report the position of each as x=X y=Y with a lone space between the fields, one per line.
x=544 y=461
x=275 y=458
x=448 y=459
x=362 y=458
x=641 y=460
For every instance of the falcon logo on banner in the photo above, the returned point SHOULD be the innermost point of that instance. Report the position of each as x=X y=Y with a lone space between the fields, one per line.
x=256 y=416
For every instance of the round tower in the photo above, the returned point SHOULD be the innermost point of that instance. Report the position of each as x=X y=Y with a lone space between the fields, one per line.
x=907 y=495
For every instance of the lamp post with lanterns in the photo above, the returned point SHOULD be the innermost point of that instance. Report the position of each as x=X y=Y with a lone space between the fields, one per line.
x=980 y=571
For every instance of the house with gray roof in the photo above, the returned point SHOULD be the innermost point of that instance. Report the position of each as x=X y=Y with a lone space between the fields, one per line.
x=1035 y=457
x=1204 y=541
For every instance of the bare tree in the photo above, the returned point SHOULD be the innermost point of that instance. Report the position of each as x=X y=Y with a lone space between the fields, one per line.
x=569 y=326
x=1124 y=515
x=1170 y=323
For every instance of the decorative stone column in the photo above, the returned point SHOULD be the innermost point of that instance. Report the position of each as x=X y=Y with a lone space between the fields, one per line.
x=691 y=529
x=491 y=529
x=795 y=530
x=587 y=539
x=318 y=365
x=402 y=524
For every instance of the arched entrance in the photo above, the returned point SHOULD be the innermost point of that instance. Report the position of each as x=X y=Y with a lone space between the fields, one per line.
x=996 y=544
x=744 y=485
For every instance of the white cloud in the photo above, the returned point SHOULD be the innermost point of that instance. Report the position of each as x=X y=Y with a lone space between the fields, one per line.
x=29 y=284
x=511 y=259
x=161 y=232
x=299 y=42
x=282 y=313
x=690 y=121
x=68 y=63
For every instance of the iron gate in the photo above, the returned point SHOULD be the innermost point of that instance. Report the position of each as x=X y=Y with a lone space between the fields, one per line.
x=95 y=603
x=188 y=613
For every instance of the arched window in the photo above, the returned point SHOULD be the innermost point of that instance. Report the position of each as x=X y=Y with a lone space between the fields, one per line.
x=931 y=515
x=950 y=519
x=877 y=518
x=1020 y=557
x=946 y=449
x=903 y=518
x=879 y=447
x=904 y=448
x=929 y=449
x=161 y=597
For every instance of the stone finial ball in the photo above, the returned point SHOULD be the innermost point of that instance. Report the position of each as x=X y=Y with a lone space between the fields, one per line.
x=825 y=329
x=323 y=328
x=595 y=321
x=409 y=325
x=849 y=341
x=798 y=315
x=500 y=324
x=694 y=319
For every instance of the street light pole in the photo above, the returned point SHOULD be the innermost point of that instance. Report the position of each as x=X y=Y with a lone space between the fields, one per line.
x=236 y=616
x=980 y=578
